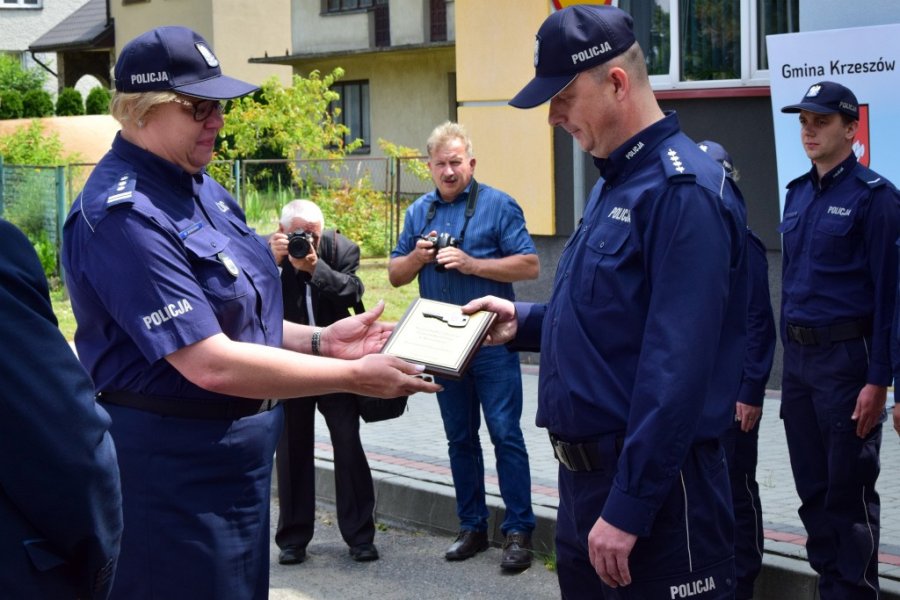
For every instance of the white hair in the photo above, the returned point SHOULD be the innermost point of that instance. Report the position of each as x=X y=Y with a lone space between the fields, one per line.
x=301 y=209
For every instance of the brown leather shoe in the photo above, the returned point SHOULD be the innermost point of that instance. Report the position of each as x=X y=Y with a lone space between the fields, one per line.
x=468 y=543
x=516 y=551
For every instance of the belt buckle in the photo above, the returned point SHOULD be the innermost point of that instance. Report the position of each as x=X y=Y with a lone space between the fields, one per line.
x=560 y=449
x=804 y=336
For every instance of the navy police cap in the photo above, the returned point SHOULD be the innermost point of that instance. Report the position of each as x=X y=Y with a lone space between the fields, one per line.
x=570 y=41
x=718 y=152
x=175 y=59
x=827 y=97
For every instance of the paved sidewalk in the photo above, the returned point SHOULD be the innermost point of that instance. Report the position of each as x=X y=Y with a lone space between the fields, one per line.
x=410 y=453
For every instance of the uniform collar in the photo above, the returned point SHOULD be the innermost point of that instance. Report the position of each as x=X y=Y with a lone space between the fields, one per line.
x=835 y=175
x=152 y=166
x=626 y=158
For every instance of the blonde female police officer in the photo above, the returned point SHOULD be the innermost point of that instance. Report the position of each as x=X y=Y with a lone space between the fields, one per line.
x=180 y=326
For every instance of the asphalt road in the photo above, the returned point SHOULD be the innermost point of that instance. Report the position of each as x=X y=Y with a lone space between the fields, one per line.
x=412 y=567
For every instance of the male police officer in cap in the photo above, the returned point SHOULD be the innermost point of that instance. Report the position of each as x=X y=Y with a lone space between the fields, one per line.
x=643 y=338
x=741 y=440
x=838 y=294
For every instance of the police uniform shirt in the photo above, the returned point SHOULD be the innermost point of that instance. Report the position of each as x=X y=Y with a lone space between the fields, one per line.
x=644 y=334
x=496 y=229
x=839 y=258
x=157 y=259
x=760 y=326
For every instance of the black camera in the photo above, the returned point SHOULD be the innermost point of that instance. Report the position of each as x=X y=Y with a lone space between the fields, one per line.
x=439 y=242
x=299 y=243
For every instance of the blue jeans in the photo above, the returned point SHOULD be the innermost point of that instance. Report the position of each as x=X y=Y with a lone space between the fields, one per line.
x=492 y=384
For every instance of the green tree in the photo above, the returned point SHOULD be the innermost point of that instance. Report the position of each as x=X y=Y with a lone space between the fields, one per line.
x=14 y=77
x=37 y=104
x=290 y=122
x=419 y=168
x=69 y=103
x=97 y=102
x=11 y=106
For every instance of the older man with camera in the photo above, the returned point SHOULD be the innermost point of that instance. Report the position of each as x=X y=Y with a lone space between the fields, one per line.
x=465 y=240
x=319 y=286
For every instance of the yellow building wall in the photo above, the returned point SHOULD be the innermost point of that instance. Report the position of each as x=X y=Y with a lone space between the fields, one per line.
x=237 y=30
x=494 y=59
x=409 y=92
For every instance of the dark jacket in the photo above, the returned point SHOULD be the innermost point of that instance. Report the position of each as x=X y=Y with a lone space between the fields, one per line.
x=335 y=286
x=60 y=500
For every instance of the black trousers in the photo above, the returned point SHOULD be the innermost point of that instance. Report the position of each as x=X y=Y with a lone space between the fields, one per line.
x=295 y=469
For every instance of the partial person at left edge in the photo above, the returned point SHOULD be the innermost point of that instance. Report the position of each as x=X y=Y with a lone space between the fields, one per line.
x=180 y=324
x=60 y=502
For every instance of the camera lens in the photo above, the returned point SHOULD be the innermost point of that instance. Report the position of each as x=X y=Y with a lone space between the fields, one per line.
x=298 y=245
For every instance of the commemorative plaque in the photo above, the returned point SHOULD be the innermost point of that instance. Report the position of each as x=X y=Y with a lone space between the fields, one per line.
x=439 y=336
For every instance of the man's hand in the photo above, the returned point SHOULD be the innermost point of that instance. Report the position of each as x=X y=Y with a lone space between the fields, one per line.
x=307 y=264
x=609 y=548
x=896 y=413
x=748 y=415
x=505 y=325
x=425 y=251
x=869 y=406
x=278 y=245
x=454 y=258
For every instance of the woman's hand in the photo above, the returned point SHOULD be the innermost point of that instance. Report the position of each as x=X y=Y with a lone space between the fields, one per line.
x=356 y=336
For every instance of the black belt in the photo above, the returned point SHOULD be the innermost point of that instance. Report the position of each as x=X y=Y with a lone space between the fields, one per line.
x=588 y=456
x=822 y=336
x=188 y=408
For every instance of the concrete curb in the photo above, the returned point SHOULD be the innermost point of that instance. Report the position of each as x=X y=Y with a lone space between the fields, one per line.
x=432 y=507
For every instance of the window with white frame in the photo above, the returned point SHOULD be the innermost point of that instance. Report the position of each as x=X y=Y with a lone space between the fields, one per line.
x=354 y=112
x=708 y=43
x=337 y=6
x=21 y=3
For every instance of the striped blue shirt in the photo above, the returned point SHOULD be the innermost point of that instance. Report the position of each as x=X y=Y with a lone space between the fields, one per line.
x=497 y=229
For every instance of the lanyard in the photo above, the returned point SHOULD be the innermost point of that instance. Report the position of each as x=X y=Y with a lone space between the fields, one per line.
x=470 y=210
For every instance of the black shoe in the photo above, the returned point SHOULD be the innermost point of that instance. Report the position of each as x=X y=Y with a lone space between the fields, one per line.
x=364 y=552
x=516 y=551
x=291 y=555
x=468 y=543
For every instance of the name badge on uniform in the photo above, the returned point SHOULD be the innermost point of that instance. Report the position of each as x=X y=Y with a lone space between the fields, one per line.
x=229 y=264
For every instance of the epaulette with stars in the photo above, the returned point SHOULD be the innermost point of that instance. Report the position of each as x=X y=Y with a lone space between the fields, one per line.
x=122 y=192
x=675 y=169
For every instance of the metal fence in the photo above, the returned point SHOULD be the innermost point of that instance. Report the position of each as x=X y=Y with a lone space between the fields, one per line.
x=37 y=198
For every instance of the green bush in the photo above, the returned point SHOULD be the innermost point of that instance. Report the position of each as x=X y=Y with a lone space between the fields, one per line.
x=46 y=251
x=69 y=103
x=97 y=102
x=30 y=145
x=37 y=104
x=31 y=204
x=359 y=212
x=11 y=104
x=14 y=77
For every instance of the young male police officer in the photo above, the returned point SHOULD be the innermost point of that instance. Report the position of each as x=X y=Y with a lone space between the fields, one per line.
x=838 y=293
x=643 y=339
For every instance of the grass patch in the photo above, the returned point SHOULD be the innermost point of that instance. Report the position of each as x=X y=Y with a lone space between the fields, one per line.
x=372 y=271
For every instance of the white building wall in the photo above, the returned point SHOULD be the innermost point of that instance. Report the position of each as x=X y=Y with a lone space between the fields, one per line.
x=20 y=27
x=312 y=31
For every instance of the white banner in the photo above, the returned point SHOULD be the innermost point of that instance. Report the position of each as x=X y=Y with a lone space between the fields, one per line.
x=866 y=60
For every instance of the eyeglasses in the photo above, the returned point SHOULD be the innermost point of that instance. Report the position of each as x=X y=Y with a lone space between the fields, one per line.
x=201 y=109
